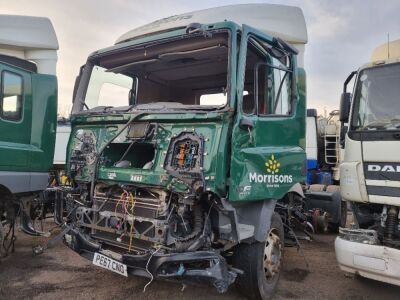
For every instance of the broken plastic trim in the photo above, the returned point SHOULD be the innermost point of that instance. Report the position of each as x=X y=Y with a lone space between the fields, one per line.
x=198 y=28
x=217 y=273
x=364 y=236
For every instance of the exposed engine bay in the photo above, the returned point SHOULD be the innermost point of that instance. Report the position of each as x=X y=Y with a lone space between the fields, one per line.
x=136 y=219
x=375 y=224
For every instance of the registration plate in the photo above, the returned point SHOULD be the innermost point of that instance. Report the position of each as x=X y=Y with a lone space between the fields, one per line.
x=110 y=264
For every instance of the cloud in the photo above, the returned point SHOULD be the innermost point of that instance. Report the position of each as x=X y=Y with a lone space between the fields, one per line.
x=324 y=24
x=342 y=34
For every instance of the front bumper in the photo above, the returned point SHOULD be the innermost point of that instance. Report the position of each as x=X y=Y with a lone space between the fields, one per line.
x=214 y=270
x=371 y=261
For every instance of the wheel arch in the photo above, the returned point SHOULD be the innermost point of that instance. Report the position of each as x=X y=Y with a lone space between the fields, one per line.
x=5 y=191
x=257 y=214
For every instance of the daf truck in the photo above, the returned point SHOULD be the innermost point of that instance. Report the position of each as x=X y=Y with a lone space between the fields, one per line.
x=28 y=118
x=370 y=171
x=187 y=148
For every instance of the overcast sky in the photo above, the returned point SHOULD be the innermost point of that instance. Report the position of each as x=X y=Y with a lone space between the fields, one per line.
x=342 y=34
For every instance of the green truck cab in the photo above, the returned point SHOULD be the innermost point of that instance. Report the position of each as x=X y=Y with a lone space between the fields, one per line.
x=187 y=144
x=28 y=117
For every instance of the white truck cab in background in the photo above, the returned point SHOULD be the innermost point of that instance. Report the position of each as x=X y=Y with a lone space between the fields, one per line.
x=370 y=171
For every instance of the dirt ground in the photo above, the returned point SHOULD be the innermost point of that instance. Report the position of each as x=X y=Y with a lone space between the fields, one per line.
x=63 y=274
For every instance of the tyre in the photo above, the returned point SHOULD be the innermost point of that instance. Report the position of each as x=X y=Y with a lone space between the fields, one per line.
x=261 y=263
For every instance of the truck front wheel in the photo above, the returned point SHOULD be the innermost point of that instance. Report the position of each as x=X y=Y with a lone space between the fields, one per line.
x=261 y=263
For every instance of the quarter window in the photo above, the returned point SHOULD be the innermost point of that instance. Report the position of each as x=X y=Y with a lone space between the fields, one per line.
x=11 y=96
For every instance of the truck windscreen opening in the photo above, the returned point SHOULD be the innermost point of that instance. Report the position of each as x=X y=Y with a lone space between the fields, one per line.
x=377 y=100
x=182 y=73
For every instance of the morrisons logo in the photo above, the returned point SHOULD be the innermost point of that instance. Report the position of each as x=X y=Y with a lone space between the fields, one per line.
x=273 y=178
x=384 y=168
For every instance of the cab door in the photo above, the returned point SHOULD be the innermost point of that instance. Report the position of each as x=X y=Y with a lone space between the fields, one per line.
x=15 y=118
x=268 y=136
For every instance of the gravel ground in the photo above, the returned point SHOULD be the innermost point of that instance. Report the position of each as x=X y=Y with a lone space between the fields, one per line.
x=63 y=274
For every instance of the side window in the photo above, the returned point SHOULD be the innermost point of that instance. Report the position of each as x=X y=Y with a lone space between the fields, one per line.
x=273 y=88
x=268 y=82
x=11 y=96
x=253 y=59
x=281 y=89
x=262 y=86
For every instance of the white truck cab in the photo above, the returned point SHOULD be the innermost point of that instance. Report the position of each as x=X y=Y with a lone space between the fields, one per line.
x=370 y=171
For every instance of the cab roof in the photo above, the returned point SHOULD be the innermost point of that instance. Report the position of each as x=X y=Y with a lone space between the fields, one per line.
x=387 y=51
x=285 y=22
x=27 y=32
x=385 y=54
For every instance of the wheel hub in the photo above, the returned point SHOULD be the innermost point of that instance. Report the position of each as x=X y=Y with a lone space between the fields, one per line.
x=272 y=254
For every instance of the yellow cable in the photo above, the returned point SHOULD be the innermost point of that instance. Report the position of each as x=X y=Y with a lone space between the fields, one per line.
x=119 y=200
x=133 y=201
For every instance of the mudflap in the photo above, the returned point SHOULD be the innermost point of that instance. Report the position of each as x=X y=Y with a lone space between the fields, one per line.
x=27 y=225
x=26 y=220
x=50 y=201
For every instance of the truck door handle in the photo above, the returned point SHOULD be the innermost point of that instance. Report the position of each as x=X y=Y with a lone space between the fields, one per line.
x=246 y=124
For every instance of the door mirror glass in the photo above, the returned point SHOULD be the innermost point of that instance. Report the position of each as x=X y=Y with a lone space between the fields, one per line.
x=345 y=107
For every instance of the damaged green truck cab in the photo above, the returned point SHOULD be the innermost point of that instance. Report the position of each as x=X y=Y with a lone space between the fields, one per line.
x=211 y=126
x=182 y=181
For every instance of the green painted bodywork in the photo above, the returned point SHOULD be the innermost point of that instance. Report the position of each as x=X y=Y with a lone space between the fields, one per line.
x=213 y=126
x=28 y=145
x=44 y=122
x=278 y=137
x=231 y=154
